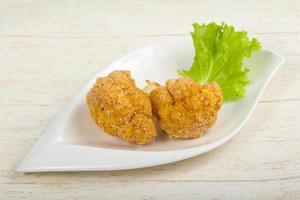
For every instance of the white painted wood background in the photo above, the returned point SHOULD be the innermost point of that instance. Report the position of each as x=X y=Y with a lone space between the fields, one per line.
x=49 y=49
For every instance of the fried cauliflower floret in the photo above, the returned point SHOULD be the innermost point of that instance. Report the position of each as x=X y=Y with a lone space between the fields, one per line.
x=121 y=109
x=185 y=108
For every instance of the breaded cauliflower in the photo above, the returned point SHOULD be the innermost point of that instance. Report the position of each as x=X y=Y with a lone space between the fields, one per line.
x=185 y=108
x=121 y=109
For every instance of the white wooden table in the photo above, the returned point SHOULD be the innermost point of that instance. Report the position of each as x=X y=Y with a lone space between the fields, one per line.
x=50 y=49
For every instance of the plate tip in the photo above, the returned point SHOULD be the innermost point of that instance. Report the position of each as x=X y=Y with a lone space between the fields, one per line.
x=20 y=167
x=279 y=56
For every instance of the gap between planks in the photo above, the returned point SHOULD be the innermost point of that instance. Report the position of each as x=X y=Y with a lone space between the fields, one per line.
x=290 y=179
x=124 y=36
x=58 y=105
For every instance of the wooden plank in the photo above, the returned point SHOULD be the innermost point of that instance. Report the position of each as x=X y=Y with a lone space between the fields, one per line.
x=154 y=190
x=51 y=71
x=115 y=18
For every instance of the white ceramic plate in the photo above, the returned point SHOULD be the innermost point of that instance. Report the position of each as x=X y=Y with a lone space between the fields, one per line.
x=74 y=142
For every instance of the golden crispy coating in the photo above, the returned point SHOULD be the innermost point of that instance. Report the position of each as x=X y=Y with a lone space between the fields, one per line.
x=121 y=109
x=186 y=109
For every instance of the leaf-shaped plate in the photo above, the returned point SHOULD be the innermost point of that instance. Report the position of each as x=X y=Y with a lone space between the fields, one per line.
x=74 y=142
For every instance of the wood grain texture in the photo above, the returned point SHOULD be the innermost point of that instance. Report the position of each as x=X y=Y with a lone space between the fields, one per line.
x=49 y=49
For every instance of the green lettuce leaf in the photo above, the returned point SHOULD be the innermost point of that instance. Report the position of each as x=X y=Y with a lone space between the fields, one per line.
x=219 y=54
